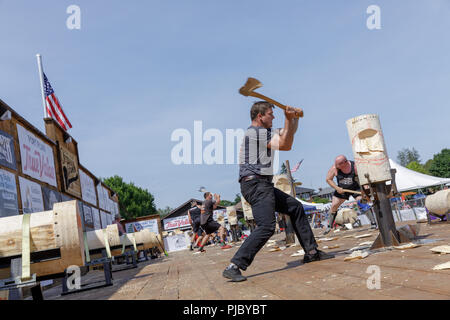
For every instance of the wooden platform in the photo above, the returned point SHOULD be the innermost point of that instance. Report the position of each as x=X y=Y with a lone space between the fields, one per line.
x=405 y=274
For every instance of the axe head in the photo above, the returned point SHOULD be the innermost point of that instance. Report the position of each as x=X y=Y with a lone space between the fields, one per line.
x=251 y=85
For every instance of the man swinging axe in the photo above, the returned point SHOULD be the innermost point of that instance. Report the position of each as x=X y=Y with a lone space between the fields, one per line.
x=255 y=178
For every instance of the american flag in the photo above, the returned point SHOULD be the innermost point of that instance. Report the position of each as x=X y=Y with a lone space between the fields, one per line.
x=53 y=107
x=297 y=166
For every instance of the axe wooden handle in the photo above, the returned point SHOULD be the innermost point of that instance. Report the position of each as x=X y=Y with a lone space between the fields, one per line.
x=352 y=191
x=263 y=97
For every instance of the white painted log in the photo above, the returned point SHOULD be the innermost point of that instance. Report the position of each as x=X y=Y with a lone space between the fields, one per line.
x=282 y=182
x=439 y=202
x=346 y=215
x=232 y=215
x=59 y=228
x=96 y=239
x=369 y=148
x=247 y=208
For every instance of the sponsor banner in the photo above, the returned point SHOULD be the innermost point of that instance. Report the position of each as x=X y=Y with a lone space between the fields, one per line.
x=87 y=188
x=8 y=194
x=176 y=242
x=102 y=197
x=50 y=198
x=222 y=212
x=36 y=156
x=71 y=177
x=31 y=194
x=87 y=215
x=105 y=219
x=96 y=218
x=7 y=155
x=177 y=222
x=151 y=224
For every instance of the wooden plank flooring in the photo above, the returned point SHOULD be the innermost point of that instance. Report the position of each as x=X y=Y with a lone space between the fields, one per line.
x=404 y=274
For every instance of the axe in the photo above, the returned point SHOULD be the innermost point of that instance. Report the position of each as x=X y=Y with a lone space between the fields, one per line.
x=249 y=90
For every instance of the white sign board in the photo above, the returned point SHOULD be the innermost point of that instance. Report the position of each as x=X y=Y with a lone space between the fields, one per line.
x=87 y=188
x=36 y=156
x=177 y=222
x=220 y=211
x=151 y=224
x=31 y=194
x=175 y=243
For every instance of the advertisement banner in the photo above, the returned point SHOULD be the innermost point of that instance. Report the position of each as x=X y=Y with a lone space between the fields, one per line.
x=36 y=156
x=7 y=155
x=87 y=188
x=71 y=178
x=151 y=224
x=8 y=194
x=50 y=198
x=177 y=222
x=176 y=242
x=31 y=194
x=96 y=218
x=87 y=215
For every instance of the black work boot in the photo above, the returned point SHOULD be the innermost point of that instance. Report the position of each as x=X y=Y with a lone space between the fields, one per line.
x=319 y=255
x=233 y=273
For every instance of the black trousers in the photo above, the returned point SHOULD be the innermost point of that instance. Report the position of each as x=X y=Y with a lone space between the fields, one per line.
x=265 y=199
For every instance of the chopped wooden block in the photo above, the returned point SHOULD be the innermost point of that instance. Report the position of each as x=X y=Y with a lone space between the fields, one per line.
x=441 y=249
x=442 y=266
x=356 y=255
x=363 y=236
x=409 y=245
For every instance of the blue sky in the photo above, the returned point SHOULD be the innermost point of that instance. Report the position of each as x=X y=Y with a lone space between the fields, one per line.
x=138 y=70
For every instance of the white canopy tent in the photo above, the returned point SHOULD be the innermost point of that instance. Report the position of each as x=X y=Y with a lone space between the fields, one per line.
x=407 y=179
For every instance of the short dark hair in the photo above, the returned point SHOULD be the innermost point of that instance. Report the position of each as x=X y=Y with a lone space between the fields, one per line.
x=206 y=194
x=259 y=107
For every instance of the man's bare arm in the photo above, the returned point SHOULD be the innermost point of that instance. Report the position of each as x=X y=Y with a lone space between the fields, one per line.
x=330 y=176
x=284 y=140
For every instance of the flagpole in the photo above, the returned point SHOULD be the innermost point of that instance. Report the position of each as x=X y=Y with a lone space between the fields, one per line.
x=41 y=78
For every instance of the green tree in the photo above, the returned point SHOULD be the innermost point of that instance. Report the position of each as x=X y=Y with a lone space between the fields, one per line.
x=237 y=199
x=440 y=167
x=320 y=200
x=226 y=203
x=134 y=201
x=164 y=212
x=427 y=165
x=405 y=156
x=414 y=165
x=283 y=169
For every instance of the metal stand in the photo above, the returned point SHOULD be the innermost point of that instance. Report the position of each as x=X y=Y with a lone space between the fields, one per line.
x=128 y=255
x=379 y=192
x=15 y=284
x=431 y=214
x=106 y=262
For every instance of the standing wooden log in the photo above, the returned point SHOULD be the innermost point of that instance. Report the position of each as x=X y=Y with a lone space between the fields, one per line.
x=369 y=149
x=438 y=203
x=232 y=215
x=57 y=235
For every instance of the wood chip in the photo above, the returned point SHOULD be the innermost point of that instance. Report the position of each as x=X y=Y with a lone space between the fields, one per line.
x=328 y=239
x=356 y=255
x=409 y=245
x=441 y=249
x=367 y=243
x=442 y=266
x=363 y=236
